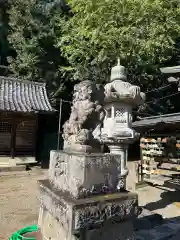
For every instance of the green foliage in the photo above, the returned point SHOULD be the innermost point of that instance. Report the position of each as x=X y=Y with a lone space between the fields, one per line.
x=33 y=36
x=61 y=46
x=4 y=45
x=143 y=33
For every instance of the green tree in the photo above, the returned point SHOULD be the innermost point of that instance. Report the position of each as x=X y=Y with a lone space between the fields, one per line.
x=89 y=35
x=143 y=33
x=4 y=45
x=33 y=36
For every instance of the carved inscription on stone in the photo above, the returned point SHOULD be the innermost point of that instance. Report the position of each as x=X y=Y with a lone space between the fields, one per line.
x=59 y=167
x=92 y=216
x=85 y=175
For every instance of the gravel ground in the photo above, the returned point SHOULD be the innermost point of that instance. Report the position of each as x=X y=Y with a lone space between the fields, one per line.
x=19 y=203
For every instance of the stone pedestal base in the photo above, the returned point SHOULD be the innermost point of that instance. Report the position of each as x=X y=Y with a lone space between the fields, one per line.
x=84 y=175
x=108 y=216
x=52 y=229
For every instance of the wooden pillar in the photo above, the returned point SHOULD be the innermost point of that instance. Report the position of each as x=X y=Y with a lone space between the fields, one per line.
x=35 y=140
x=13 y=139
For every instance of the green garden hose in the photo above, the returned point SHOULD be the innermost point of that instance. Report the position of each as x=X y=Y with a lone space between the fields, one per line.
x=19 y=234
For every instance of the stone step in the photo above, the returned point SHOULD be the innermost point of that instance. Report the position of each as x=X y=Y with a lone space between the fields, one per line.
x=169 y=182
x=173 y=183
x=4 y=169
x=24 y=160
x=34 y=171
x=157 y=179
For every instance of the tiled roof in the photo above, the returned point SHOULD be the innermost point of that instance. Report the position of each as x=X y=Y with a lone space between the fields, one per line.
x=175 y=69
x=155 y=120
x=23 y=96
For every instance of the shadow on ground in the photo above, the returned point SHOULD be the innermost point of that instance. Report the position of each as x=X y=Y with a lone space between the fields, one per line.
x=167 y=198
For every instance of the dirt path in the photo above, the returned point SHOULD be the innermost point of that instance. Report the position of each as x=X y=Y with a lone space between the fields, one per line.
x=19 y=205
x=19 y=201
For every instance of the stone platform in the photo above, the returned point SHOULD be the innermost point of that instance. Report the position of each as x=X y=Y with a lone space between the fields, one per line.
x=99 y=217
x=82 y=198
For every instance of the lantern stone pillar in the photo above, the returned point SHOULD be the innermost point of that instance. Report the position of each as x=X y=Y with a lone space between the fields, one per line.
x=117 y=133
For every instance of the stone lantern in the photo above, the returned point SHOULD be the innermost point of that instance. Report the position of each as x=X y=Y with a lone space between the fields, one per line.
x=81 y=197
x=117 y=133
